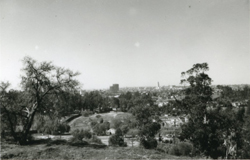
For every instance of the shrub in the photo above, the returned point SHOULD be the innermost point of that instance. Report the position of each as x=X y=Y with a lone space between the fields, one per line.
x=95 y=139
x=182 y=148
x=185 y=148
x=51 y=126
x=148 y=143
x=163 y=147
x=118 y=132
x=113 y=140
x=98 y=116
x=117 y=139
x=86 y=134
x=86 y=113
x=62 y=128
x=174 y=150
x=79 y=135
x=77 y=139
x=67 y=128
x=83 y=137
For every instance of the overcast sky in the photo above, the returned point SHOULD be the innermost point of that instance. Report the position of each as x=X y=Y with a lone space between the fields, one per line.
x=129 y=42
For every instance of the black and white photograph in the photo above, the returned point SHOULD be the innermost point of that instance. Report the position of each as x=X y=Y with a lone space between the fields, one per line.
x=124 y=79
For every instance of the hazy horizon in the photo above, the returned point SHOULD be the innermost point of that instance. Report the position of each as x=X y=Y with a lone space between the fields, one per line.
x=129 y=42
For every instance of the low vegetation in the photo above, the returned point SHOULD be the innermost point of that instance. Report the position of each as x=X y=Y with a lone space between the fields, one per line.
x=84 y=137
x=117 y=139
x=64 y=151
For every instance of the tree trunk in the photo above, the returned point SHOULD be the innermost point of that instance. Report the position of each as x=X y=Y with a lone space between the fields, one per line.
x=26 y=129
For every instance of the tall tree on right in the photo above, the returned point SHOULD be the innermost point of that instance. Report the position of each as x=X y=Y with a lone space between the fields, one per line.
x=208 y=124
x=199 y=93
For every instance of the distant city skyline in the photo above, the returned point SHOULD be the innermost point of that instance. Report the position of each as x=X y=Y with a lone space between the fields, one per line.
x=132 y=43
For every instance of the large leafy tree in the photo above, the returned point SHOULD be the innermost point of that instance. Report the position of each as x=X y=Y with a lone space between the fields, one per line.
x=66 y=103
x=197 y=97
x=39 y=81
x=209 y=124
x=94 y=100
x=148 y=124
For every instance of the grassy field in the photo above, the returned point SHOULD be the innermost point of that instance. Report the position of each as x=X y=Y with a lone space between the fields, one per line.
x=44 y=151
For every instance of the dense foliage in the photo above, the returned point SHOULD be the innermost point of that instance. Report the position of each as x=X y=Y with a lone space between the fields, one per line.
x=49 y=125
x=39 y=81
x=213 y=124
x=148 y=125
x=117 y=139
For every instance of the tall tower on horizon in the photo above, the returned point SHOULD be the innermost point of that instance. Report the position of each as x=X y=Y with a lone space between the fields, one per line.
x=158 y=87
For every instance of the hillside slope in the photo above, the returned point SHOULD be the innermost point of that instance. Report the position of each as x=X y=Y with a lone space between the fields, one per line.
x=84 y=122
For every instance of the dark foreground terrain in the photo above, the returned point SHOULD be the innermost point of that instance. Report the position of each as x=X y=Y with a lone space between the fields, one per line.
x=90 y=151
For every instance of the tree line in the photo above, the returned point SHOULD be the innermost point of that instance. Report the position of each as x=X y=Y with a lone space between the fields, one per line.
x=52 y=92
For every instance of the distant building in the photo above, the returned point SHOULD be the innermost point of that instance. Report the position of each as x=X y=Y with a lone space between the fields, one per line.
x=111 y=88
x=114 y=88
x=111 y=131
x=171 y=121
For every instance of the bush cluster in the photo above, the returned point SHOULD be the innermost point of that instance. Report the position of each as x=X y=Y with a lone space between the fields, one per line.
x=62 y=128
x=117 y=139
x=95 y=139
x=55 y=129
x=185 y=148
x=86 y=113
x=84 y=136
x=79 y=135
x=147 y=134
x=98 y=116
x=148 y=143
x=180 y=149
x=163 y=147
x=48 y=125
